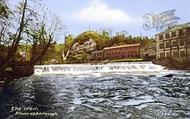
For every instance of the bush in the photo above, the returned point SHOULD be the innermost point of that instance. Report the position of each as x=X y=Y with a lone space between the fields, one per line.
x=175 y=63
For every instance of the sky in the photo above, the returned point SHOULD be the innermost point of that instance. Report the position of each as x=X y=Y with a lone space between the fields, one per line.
x=117 y=15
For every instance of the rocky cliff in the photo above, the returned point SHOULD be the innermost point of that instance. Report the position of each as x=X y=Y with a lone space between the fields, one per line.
x=84 y=45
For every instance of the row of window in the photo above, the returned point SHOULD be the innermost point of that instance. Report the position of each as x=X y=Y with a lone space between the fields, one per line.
x=181 y=53
x=173 y=44
x=97 y=55
x=115 y=53
x=174 y=34
x=122 y=56
x=119 y=56
x=124 y=48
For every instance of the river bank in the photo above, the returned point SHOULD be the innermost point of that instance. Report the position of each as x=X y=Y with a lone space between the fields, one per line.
x=17 y=72
x=174 y=63
x=13 y=73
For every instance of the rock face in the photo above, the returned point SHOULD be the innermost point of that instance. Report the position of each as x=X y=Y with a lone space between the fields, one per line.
x=89 y=45
x=81 y=52
x=80 y=49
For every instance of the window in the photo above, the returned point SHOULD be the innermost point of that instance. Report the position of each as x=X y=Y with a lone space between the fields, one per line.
x=175 y=54
x=173 y=34
x=182 y=53
x=182 y=42
x=181 y=32
x=188 y=41
x=167 y=35
x=161 y=45
x=174 y=43
x=188 y=30
x=168 y=44
x=162 y=55
x=161 y=37
x=168 y=54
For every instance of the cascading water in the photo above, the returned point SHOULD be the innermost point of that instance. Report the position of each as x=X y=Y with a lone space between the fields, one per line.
x=108 y=91
x=101 y=68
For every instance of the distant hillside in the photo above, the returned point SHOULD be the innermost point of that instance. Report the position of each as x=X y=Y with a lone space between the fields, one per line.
x=80 y=48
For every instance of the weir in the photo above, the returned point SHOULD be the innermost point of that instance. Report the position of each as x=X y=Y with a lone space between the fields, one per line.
x=98 y=68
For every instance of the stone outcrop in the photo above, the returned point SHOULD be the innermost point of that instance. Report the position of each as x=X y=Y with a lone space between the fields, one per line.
x=89 y=45
x=82 y=51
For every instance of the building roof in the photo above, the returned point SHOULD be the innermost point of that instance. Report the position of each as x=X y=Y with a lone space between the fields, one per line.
x=97 y=51
x=122 y=46
x=176 y=27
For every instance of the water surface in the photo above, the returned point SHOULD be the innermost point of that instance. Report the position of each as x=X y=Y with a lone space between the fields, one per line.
x=100 y=96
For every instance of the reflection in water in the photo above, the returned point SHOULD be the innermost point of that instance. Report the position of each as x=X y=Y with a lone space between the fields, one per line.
x=101 y=96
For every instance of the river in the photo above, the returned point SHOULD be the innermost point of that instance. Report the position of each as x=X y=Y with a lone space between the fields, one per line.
x=113 y=91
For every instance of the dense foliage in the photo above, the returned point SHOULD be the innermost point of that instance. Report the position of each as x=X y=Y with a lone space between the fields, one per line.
x=102 y=40
x=27 y=31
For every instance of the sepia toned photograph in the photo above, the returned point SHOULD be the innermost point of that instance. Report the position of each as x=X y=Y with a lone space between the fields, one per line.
x=94 y=59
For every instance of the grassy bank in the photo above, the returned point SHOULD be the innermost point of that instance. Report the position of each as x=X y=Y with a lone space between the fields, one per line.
x=175 y=63
x=127 y=60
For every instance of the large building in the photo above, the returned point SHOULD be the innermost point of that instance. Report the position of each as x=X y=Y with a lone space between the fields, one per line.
x=174 y=42
x=130 y=51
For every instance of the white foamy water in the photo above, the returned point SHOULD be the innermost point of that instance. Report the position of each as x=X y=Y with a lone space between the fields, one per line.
x=100 y=95
x=143 y=67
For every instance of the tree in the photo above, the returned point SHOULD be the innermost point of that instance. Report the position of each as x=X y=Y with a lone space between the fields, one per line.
x=106 y=34
x=4 y=10
x=30 y=25
x=69 y=41
x=4 y=24
x=43 y=36
x=16 y=37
